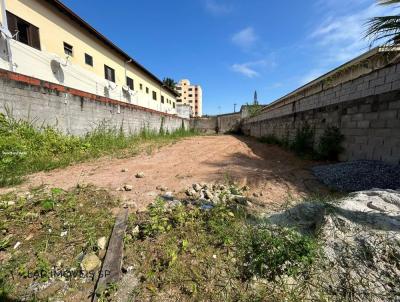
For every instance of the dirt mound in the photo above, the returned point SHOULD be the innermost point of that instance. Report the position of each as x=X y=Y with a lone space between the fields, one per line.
x=360 y=237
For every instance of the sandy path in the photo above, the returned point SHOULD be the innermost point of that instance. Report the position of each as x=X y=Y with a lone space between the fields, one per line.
x=268 y=169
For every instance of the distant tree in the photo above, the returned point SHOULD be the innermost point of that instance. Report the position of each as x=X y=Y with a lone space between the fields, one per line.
x=170 y=83
x=384 y=28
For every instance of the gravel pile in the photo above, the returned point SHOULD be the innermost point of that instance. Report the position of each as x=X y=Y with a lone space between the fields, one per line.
x=359 y=175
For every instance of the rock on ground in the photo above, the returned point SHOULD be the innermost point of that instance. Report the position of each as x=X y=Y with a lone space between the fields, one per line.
x=360 y=238
x=102 y=243
x=90 y=263
x=359 y=175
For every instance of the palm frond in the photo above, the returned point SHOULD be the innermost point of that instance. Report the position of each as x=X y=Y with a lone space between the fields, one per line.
x=388 y=2
x=380 y=28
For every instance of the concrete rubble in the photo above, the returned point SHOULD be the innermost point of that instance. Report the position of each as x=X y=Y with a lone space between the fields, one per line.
x=360 y=238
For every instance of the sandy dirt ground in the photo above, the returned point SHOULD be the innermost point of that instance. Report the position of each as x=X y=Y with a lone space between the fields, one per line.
x=277 y=174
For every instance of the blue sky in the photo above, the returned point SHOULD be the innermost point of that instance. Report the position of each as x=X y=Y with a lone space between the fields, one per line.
x=232 y=47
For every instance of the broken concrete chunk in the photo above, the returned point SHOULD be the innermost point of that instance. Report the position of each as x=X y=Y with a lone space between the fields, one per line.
x=140 y=175
x=162 y=188
x=50 y=291
x=102 y=243
x=90 y=262
x=190 y=192
x=208 y=194
x=128 y=188
x=197 y=187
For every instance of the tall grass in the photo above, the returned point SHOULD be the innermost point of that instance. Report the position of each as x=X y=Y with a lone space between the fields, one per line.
x=25 y=148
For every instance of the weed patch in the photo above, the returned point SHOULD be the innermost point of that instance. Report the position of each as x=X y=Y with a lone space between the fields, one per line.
x=25 y=148
x=187 y=253
x=44 y=235
x=329 y=145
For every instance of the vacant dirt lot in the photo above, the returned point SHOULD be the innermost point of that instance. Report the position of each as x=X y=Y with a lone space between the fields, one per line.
x=269 y=170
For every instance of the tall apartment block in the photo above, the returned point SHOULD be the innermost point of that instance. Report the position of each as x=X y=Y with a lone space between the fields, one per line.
x=191 y=95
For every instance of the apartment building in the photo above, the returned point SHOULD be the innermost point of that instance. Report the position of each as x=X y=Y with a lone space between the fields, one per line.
x=191 y=95
x=47 y=40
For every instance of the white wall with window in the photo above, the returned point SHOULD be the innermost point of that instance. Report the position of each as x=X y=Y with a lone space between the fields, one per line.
x=29 y=58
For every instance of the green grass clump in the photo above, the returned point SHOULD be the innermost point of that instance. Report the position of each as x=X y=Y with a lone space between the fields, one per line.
x=275 y=251
x=186 y=253
x=328 y=147
x=25 y=148
x=51 y=226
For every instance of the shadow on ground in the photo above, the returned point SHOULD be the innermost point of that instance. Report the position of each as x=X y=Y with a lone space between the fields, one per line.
x=262 y=165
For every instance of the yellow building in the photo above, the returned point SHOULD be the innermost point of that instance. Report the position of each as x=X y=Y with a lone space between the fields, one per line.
x=48 y=41
x=191 y=95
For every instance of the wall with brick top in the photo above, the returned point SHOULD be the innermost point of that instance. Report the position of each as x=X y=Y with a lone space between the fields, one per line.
x=73 y=111
x=367 y=110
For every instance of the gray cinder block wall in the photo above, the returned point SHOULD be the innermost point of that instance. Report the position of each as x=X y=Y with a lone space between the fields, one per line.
x=223 y=123
x=367 y=110
x=75 y=112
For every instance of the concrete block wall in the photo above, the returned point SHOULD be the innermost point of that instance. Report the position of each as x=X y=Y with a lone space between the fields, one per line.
x=367 y=110
x=223 y=123
x=204 y=124
x=229 y=122
x=73 y=111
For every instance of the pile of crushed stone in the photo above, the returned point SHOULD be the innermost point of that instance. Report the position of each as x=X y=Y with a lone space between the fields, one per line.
x=359 y=175
x=360 y=238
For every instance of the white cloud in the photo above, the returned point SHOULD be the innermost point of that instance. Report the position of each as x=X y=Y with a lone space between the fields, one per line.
x=245 y=38
x=341 y=38
x=218 y=8
x=252 y=69
x=245 y=70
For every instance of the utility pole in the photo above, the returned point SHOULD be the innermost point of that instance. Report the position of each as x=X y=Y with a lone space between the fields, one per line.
x=234 y=108
x=7 y=33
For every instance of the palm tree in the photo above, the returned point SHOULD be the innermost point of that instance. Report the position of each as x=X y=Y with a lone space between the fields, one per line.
x=170 y=83
x=384 y=28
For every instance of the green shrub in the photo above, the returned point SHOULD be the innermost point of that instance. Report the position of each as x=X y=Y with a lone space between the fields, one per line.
x=330 y=143
x=304 y=140
x=270 y=140
x=270 y=252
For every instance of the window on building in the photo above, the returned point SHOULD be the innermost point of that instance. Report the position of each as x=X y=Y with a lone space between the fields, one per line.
x=23 y=31
x=154 y=95
x=179 y=101
x=109 y=73
x=129 y=83
x=173 y=104
x=190 y=95
x=162 y=99
x=190 y=89
x=141 y=86
x=147 y=90
x=68 y=49
x=178 y=88
x=88 y=59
